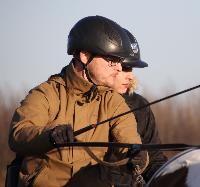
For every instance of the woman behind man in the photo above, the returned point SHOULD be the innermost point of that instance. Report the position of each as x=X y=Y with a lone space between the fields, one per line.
x=125 y=84
x=146 y=125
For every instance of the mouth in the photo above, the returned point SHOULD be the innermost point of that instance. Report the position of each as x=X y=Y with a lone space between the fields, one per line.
x=126 y=85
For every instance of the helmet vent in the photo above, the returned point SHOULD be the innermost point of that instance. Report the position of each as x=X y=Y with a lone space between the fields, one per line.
x=110 y=31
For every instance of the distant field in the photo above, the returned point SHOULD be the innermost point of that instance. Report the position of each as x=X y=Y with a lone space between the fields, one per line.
x=178 y=121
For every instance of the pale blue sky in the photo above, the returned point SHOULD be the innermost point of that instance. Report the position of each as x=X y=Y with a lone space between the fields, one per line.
x=33 y=39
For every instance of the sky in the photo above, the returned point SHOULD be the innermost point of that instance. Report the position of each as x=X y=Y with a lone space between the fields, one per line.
x=33 y=39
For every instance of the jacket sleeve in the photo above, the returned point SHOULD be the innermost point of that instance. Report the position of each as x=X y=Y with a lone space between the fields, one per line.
x=124 y=130
x=29 y=131
x=149 y=133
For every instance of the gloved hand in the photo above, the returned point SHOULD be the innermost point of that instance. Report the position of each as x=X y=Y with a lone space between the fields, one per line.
x=128 y=174
x=61 y=134
x=138 y=161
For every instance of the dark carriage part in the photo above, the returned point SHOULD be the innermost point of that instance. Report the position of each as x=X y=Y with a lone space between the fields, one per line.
x=12 y=173
x=181 y=170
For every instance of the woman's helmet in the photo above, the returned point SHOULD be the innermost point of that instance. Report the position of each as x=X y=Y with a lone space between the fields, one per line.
x=134 y=60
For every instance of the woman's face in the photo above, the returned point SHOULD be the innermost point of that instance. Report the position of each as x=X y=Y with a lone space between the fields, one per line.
x=123 y=80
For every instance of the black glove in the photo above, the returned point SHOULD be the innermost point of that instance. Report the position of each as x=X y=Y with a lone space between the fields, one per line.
x=138 y=160
x=61 y=134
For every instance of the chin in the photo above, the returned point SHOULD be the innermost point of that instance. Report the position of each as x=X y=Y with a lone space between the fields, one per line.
x=122 y=91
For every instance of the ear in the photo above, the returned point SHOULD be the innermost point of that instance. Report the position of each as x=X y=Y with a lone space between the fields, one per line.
x=84 y=56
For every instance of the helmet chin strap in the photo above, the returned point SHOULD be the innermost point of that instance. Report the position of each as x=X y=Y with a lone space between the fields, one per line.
x=86 y=69
x=89 y=94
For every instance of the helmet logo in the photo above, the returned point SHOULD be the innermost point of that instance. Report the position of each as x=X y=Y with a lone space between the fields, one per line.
x=134 y=47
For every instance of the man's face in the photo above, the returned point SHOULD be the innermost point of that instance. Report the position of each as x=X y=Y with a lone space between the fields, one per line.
x=103 y=71
x=123 y=80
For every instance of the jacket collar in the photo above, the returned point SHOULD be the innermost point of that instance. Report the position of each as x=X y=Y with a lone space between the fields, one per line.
x=76 y=84
x=73 y=80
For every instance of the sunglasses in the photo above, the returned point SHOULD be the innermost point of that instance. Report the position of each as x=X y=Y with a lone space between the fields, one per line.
x=127 y=68
x=112 y=60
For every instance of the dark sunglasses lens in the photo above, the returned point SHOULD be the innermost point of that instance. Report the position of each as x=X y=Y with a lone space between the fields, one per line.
x=127 y=68
x=114 y=59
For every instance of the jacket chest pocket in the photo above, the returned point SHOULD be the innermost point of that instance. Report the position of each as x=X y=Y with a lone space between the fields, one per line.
x=84 y=115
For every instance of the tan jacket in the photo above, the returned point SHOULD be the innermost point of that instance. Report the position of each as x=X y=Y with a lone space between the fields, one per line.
x=62 y=100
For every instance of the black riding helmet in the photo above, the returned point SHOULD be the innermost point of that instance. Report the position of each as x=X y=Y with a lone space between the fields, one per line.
x=99 y=36
x=135 y=60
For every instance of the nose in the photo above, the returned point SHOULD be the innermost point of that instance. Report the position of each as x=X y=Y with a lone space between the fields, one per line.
x=129 y=75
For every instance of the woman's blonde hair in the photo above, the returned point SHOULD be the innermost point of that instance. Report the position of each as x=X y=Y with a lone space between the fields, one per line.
x=132 y=86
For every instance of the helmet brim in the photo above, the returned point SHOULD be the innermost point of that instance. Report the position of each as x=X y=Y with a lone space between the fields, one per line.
x=134 y=63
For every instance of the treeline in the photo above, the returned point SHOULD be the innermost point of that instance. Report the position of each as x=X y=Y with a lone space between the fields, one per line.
x=7 y=106
x=178 y=121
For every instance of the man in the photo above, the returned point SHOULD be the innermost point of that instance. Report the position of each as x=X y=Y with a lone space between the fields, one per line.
x=78 y=96
x=126 y=84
